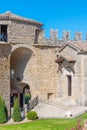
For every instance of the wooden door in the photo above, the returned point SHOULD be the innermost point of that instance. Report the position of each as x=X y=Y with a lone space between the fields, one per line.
x=69 y=85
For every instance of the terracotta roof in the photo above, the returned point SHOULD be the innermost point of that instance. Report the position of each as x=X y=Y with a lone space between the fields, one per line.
x=78 y=45
x=65 y=57
x=8 y=15
x=81 y=45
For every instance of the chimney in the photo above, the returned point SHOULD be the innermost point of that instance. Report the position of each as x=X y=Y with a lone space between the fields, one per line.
x=78 y=36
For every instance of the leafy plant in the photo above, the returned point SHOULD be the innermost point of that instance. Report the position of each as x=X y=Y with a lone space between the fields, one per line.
x=79 y=125
x=3 y=117
x=32 y=115
x=27 y=98
x=16 y=111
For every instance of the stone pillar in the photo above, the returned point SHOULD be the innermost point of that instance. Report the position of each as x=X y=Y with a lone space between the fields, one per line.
x=5 y=82
x=25 y=109
x=5 y=74
x=12 y=111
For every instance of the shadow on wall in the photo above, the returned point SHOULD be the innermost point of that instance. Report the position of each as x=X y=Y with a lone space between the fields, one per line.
x=19 y=59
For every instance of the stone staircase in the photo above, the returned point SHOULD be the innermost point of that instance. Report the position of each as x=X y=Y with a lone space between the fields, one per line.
x=65 y=103
x=58 y=108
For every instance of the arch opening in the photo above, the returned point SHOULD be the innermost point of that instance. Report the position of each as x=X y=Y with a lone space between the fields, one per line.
x=18 y=64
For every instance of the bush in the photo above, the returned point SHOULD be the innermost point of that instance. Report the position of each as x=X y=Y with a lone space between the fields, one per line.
x=32 y=115
x=3 y=117
x=27 y=98
x=16 y=111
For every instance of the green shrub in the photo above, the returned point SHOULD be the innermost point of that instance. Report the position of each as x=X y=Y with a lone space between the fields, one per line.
x=27 y=98
x=16 y=111
x=3 y=117
x=32 y=115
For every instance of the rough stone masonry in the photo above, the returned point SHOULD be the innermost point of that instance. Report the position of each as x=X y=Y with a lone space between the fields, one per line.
x=49 y=68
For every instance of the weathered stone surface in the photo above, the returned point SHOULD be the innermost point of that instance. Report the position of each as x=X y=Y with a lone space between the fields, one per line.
x=5 y=74
x=33 y=64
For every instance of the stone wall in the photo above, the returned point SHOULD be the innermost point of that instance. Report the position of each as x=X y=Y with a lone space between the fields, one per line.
x=22 y=32
x=84 y=78
x=5 y=74
x=41 y=73
x=35 y=63
x=46 y=73
x=76 y=78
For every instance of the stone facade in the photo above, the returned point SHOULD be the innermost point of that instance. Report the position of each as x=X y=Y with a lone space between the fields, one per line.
x=5 y=73
x=76 y=77
x=46 y=66
x=32 y=62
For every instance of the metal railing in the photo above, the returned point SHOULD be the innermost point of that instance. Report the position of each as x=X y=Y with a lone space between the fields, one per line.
x=33 y=103
x=3 y=37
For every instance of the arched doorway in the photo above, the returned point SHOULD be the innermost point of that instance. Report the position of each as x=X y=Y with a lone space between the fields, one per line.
x=25 y=94
x=19 y=61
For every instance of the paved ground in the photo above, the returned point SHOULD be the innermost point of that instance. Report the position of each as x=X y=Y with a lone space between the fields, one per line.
x=55 y=109
x=10 y=121
x=48 y=111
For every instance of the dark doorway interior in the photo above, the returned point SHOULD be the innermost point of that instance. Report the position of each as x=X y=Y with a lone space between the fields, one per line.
x=3 y=32
x=69 y=85
x=49 y=95
x=21 y=100
x=12 y=99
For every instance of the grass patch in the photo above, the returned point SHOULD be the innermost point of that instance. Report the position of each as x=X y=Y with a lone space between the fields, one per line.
x=46 y=124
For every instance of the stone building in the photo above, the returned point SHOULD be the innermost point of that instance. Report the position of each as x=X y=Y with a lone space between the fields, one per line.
x=48 y=68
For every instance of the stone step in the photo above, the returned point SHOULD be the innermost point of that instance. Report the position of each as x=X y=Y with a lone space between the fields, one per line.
x=61 y=106
x=64 y=103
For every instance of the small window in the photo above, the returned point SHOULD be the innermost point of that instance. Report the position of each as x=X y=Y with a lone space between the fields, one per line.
x=36 y=35
x=3 y=33
x=50 y=95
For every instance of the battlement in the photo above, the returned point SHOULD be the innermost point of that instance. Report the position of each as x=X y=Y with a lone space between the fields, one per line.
x=55 y=40
x=65 y=36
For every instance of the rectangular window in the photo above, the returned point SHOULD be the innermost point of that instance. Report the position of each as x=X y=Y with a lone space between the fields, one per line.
x=36 y=35
x=50 y=95
x=3 y=33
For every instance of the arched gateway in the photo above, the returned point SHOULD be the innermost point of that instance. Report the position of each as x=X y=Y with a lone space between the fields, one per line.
x=19 y=63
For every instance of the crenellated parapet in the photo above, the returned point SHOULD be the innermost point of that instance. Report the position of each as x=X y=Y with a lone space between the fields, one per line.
x=54 y=38
x=53 y=35
x=78 y=36
x=66 y=35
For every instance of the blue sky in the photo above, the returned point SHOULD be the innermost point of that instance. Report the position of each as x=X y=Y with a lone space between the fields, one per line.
x=70 y=15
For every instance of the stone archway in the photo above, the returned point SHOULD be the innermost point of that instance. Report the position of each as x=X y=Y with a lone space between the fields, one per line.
x=24 y=89
x=19 y=61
